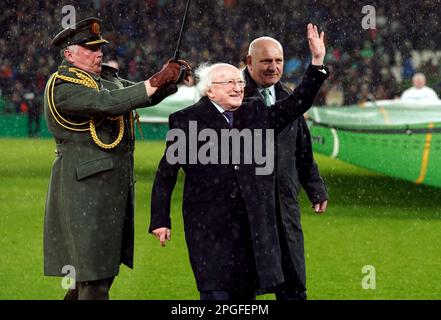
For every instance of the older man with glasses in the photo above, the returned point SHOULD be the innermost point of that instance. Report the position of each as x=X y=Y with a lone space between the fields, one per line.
x=228 y=209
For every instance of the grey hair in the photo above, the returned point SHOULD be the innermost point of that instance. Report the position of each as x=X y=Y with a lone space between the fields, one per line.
x=72 y=47
x=205 y=75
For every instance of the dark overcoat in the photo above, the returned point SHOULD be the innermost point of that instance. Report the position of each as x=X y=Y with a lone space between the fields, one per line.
x=209 y=187
x=295 y=168
x=89 y=215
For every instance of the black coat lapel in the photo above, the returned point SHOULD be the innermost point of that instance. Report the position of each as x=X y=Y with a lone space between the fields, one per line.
x=251 y=87
x=282 y=91
x=207 y=112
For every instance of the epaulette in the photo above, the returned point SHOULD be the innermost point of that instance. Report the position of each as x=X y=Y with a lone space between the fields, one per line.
x=75 y=75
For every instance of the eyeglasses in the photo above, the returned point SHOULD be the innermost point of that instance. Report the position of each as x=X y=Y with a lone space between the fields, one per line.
x=231 y=83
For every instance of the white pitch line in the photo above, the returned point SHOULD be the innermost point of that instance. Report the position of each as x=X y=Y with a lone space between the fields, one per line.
x=336 y=148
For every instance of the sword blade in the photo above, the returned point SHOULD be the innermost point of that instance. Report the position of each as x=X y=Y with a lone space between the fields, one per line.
x=177 y=53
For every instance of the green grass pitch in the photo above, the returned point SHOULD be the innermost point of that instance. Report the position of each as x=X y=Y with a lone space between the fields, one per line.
x=392 y=225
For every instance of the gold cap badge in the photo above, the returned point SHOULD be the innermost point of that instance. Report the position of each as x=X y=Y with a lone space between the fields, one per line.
x=95 y=27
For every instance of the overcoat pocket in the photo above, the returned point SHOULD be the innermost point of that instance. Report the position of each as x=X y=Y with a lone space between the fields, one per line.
x=92 y=167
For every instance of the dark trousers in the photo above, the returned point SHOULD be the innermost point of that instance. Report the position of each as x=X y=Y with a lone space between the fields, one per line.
x=90 y=290
x=33 y=124
x=292 y=288
x=290 y=291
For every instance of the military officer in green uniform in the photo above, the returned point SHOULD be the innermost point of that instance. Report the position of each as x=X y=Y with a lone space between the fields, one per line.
x=89 y=216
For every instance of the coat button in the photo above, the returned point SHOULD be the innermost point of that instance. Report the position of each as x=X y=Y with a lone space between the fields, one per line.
x=233 y=195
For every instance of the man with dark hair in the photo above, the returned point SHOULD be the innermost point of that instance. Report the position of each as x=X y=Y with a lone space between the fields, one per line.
x=295 y=165
x=89 y=223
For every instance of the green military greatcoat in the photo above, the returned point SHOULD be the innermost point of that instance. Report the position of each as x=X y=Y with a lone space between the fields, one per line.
x=89 y=216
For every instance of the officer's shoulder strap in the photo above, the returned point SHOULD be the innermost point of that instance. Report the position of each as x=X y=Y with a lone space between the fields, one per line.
x=75 y=75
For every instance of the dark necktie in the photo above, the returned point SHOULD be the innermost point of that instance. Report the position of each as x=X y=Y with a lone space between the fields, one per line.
x=229 y=115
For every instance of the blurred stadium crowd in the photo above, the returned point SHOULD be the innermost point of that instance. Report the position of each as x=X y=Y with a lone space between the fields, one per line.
x=367 y=64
